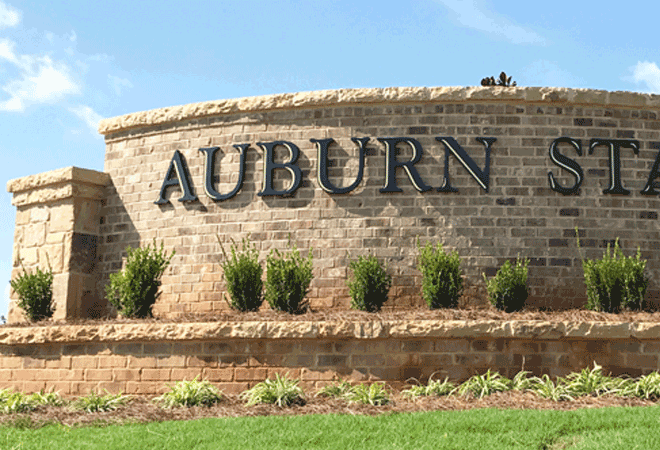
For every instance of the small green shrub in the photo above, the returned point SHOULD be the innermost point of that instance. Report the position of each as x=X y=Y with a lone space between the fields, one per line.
x=441 y=276
x=433 y=388
x=370 y=284
x=47 y=398
x=374 y=394
x=546 y=388
x=646 y=387
x=242 y=273
x=339 y=389
x=99 y=403
x=12 y=402
x=287 y=280
x=35 y=293
x=281 y=391
x=134 y=290
x=507 y=290
x=591 y=382
x=483 y=385
x=190 y=393
x=615 y=282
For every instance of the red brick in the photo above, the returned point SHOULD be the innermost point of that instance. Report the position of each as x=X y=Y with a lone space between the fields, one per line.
x=171 y=361
x=250 y=374
x=98 y=375
x=232 y=388
x=84 y=362
x=114 y=387
x=187 y=374
x=156 y=374
x=112 y=362
x=125 y=374
x=218 y=374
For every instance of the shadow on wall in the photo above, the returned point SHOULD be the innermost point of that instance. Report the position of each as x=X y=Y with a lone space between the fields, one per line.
x=115 y=236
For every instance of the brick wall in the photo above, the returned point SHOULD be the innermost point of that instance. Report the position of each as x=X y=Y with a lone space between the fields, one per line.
x=520 y=215
x=137 y=359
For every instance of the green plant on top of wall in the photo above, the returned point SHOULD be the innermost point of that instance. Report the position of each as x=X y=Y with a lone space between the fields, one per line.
x=370 y=284
x=134 y=290
x=507 y=290
x=242 y=273
x=288 y=276
x=441 y=276
x=615 y=282
x=35 y=293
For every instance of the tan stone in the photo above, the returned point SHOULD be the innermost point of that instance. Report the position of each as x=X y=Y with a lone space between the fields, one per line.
x=348 y=97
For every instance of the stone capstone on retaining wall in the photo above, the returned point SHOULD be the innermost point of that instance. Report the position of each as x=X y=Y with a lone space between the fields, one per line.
x=349 y=97
x=483 y=329
x=144 y=358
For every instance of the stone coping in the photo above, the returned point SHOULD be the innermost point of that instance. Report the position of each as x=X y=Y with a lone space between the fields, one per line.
x=396 y=329
x=348 y=97
x=69 y=174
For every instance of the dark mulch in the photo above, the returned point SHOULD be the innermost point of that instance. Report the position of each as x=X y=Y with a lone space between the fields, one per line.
x=268 y=315
x=141 y=409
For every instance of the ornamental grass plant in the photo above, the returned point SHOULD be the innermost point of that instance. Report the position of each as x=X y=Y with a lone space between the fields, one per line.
x=190 y=393
x=99 y=403
x=370 y=284
x=442 y=282
x=282 y=391
x=242 y=273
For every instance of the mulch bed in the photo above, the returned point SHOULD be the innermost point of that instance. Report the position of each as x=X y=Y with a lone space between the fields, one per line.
x=268 y=315
x=142 y=409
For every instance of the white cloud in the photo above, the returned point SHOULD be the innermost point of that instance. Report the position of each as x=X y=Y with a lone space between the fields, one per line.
x=473 y=14
x=647 y=73
x=40 y=79
x=9 y=16
x=119 y=83
x=89 y=116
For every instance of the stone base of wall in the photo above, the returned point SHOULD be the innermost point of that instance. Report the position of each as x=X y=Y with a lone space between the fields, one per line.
x=143 y=358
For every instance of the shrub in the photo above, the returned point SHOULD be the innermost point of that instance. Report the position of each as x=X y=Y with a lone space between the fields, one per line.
x=281 y=391
x=134 y=290
x=441 y=276
x=287 y=280
x=546 y=388
x=35 y=293
x=433 y=388
x=339 y=389
x=98 y=403
x=646 y=387
x=242 y=273
x=374 y=394
x=507 y=290
x=591 y=382
x=615 y=282
x=483 y=385
x=370 y=284
x=15 y=402
x=190 y=393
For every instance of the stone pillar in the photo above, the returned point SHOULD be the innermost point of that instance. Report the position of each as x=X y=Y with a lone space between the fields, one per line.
x=57 y=224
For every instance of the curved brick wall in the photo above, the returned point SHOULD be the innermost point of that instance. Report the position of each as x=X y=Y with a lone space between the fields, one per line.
x=519 y=215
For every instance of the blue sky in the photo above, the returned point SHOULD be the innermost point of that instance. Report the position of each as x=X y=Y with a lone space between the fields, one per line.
x=65 y=65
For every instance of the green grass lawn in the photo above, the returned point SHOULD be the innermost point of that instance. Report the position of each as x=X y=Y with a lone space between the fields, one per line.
x=607 y=428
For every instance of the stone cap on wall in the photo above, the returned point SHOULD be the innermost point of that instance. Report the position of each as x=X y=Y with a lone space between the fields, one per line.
x=348 y=97
x=399 y=329
x=57 y=185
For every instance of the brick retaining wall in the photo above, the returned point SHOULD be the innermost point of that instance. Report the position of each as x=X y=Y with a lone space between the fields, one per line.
x=142 y=359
